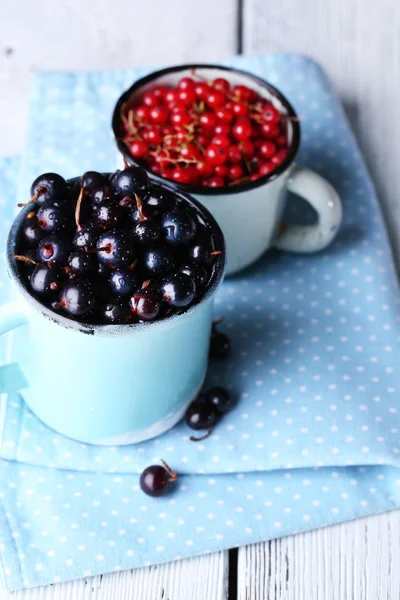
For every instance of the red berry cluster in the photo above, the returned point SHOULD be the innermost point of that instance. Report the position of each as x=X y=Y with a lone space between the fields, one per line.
x=205 y=133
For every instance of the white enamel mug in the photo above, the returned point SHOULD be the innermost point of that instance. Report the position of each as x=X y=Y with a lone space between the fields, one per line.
x=250 y=213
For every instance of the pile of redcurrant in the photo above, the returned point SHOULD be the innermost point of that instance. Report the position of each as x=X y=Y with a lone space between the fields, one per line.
x=108 y=249
x=204 y=133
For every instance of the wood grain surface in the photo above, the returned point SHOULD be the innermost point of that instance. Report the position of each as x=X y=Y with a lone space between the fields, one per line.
x=358 y=43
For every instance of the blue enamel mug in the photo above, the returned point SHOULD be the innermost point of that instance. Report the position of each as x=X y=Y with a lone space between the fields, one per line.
x=110 y=384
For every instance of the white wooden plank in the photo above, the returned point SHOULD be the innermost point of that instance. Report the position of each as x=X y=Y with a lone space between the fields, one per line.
x=98 y=34
x=95 y=35
x=200 y=578
x=359 y=47
x=358 y=43
x=352 y=561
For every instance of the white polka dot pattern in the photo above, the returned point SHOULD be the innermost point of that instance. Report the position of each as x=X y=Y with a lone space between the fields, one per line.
x=315 y=351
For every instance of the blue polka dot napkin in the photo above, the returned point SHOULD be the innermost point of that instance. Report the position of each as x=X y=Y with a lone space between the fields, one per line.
x=314 y=438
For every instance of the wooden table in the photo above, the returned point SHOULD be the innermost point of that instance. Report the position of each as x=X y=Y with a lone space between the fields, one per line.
x=358 y=43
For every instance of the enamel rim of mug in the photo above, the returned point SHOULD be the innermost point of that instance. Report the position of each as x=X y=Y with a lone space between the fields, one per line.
x=197 y=189
x=112 y=330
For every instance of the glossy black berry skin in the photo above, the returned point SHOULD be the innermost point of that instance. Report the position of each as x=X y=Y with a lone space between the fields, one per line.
x=164 y=201
x=54 y=216
x=102 y=194
x=78 y=297
x=200 y=414
x=220 y=344
x=146 y=233
x=53 y=248
x=178 y=290
x=178 y=227
x=155 y=481
x=49 y=186
x=46 y=281
x=145 y=304
x=106 y=214
x=199 y=254
x=131 y=181
x=32 y=233
x=123 y=283
x=92 y=180
x=116 y=312
x=85 y=237
x=82 y=263
x=119 y=249
x=158 y=262
x=197 y=273
x=220 y=399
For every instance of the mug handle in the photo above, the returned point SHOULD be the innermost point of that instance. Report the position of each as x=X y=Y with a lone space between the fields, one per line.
x=11 y=317
x=318 y=192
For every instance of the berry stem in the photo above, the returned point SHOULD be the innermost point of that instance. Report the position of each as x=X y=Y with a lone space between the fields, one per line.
x=60 y=304
x=25 y=259
x=39 y=223
x=201 y=77
x=131 y=122
x=106 y=248
x=35 y=196
x=174 y=475
x=132 y=266
x=139 y=205
x=203 y=437
x=78 y=209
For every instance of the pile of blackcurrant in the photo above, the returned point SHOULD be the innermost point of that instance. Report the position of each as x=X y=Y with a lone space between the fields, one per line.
x=108 y=249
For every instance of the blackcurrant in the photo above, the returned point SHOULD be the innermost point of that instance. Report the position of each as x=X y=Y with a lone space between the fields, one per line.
x=220 y=399
x=131 y=181
x=146 y=232
x=123 y=283
x=31 y=231
x=116 y=248
x=179 y=227
x=85 y=237
x=145 y=304
x=53 y=248
x=156 y=480
x=106 y=214
x=46 y=281
x=178 y=290
x=197 y=273
x=201 y=414
x=116 y=312
x=54 y=216
x=92 y=180
x=82 y=263
x=47 y=187
x=102 y=194
x=78 y=297
x=158 y=262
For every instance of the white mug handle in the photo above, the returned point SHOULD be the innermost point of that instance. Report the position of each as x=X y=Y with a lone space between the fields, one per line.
x=318 y=192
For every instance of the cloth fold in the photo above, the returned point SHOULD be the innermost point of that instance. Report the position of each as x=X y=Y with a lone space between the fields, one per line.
x=314 y=437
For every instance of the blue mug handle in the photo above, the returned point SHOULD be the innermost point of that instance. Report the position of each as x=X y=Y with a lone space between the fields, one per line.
x=11 y=317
